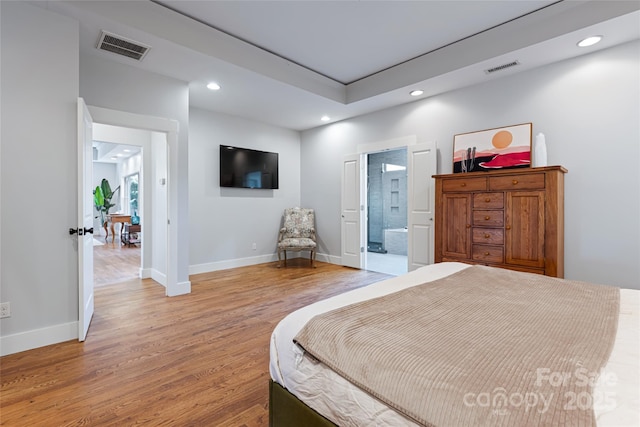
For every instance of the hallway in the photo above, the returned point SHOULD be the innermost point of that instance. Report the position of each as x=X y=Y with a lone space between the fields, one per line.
x=114 y=262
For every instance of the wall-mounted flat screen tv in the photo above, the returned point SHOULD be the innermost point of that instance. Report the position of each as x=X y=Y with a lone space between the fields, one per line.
x=245 y=168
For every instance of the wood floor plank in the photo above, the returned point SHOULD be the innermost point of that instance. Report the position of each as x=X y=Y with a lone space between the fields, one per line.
x=198 y=359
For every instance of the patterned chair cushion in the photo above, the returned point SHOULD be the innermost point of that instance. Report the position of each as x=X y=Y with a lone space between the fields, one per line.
x=297 y=242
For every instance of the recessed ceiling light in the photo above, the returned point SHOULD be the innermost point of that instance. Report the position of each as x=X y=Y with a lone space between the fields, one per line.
x=126 y=150
x=114 y=158
x=325 y=118
x=416 y=92
x=213 y=86
x=589 y=41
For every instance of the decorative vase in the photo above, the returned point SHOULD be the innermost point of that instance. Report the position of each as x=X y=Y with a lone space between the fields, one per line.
x=540 y=151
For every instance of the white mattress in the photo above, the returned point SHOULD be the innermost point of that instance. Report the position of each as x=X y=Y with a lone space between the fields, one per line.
x=616 y=395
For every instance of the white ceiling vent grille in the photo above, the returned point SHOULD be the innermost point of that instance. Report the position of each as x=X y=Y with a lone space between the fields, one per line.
x=122 y=46
x=502 y=67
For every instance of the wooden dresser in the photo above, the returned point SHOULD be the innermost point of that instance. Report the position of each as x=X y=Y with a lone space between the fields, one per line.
x=511 y=219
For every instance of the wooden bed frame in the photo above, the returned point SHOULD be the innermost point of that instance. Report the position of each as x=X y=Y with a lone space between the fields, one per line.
x=286 y=410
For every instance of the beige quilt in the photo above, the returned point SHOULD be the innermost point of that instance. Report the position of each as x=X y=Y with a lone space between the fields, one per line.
x=483 y=346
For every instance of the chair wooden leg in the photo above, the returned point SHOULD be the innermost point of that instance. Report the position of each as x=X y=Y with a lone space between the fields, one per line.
x=313 y=262
x=285 y=257
x=279 y=260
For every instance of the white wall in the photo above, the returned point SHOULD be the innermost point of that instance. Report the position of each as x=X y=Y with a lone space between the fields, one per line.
x=225 y=222
x=116 y=86
x=39 y=261
x=588 y=108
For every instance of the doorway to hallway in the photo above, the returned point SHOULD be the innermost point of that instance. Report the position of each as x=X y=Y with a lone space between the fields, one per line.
x=118 y=154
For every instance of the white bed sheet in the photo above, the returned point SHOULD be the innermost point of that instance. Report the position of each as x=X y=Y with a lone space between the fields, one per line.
x=616 y=395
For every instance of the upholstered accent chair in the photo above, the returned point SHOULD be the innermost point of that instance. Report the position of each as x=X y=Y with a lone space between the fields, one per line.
x=298 y=233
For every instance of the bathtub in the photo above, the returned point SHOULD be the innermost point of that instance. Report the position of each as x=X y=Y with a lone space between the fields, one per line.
x=395 y=241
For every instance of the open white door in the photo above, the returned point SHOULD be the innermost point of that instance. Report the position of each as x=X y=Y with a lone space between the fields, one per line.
x=350 y=221
x=421 y=159
x=85 y=220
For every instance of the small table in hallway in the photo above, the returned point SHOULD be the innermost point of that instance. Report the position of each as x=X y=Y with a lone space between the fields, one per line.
x=115 y=218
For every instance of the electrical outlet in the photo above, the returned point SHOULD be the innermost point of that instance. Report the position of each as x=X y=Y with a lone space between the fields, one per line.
x=5 y=310
x=254 y=246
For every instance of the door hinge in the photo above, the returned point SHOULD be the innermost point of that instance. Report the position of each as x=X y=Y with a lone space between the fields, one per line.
x=362 y=207
x=361 y=249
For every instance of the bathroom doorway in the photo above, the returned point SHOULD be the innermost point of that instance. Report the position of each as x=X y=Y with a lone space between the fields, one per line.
x=387 y=211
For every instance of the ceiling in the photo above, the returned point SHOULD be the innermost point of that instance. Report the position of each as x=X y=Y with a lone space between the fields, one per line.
x=287 y=63
x=110 y=152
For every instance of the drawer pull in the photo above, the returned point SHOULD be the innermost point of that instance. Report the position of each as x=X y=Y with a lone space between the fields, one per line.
x=514 y=182
x=508 y=227
x=464 y=184
x=487 y=253
x=487 y=200
x=468 y=225
x=486 y=236
x=487 y=217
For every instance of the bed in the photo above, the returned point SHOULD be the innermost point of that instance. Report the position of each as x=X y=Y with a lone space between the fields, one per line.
x=304 y=390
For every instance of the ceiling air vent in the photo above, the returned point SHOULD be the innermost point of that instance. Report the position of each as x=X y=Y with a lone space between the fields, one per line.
x=122 y=46
x=502 y=67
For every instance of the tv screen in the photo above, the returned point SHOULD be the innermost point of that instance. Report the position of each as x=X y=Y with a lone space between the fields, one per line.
x=245 y=168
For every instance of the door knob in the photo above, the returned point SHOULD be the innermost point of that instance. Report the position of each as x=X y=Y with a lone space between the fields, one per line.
x=81 y=231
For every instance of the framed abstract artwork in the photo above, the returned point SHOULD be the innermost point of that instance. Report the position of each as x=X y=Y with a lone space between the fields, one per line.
x=493 y=149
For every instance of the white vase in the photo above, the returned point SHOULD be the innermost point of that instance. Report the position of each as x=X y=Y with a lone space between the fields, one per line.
x=540 y=151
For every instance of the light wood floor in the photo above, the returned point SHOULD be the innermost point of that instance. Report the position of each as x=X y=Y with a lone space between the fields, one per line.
x=194 y=360
x=114 y=262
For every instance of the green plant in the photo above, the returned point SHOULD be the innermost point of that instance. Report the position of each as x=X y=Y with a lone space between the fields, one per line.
x=102 y=196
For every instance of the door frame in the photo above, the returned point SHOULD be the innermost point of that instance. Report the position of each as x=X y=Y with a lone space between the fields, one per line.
x=374 y=147
x=84 y=231
x=170 y=128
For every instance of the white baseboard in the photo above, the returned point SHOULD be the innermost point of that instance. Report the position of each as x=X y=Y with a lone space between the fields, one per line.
x=331 y=259
x=243 y=262
x=182 y=288
x=158 y=277
x=29 y=340
x=231 y=263
x=161 y=278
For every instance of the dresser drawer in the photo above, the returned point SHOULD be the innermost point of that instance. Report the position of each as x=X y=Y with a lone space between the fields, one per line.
x=490 y=236
x=464 y=184
x=532 y=181
x=484 y=218
x=488 y=200
x=488 y=253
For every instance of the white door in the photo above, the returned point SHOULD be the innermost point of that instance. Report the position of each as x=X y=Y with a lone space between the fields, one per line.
x=350 y=221
x=85 y=220
x=421 y=162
